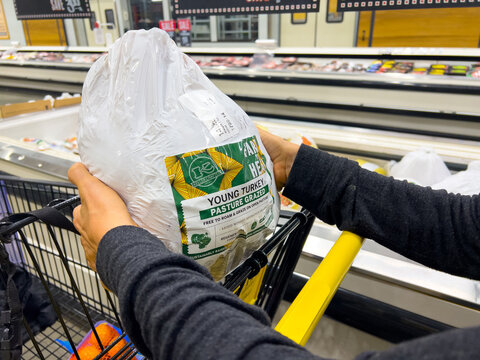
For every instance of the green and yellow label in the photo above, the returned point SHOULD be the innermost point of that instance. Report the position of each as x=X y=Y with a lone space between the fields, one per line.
x=222 y=194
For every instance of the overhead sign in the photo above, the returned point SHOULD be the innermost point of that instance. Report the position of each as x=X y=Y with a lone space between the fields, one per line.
x=169 y=26
x=184 y=25
x=51 y=9
x=356 y=5
x=231 y=7
x=184 y=28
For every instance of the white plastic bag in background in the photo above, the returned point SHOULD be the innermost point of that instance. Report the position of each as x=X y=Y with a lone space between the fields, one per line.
x=423 y=167
x=464 y=182
x=184 y=157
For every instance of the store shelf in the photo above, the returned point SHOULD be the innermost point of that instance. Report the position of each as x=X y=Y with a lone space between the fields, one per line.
x=357 y=52
x=447 y=84
x=440 y=106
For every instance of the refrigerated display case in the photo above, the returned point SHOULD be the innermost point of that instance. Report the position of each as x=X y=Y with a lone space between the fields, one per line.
x=419 y=91
x=44 y=141
x=379 y=116
x=29 y=143
x=380 y=284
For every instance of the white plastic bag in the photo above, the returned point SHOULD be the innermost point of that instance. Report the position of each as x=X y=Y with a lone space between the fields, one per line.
x=423 y=167
x=464 y=182
x=186 y=159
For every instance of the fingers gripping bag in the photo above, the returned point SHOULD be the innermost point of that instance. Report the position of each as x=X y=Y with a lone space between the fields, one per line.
x=187 y=160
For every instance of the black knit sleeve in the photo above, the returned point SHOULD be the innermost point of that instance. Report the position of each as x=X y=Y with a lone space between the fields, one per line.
x=172 y=309
x=433 y=227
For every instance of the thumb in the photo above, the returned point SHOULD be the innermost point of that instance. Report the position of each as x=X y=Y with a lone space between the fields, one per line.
x=80 y=177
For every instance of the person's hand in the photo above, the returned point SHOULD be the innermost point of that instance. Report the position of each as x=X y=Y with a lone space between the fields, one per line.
x=101 y=210
x=282 y=153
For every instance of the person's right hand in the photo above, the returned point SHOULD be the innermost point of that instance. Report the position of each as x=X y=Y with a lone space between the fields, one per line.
x=101 y=210
x=282 y=153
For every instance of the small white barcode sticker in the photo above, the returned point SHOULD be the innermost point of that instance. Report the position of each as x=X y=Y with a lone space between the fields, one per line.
x=206 y=108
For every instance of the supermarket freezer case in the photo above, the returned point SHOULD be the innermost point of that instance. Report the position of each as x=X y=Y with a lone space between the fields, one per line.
x=56 y=125
x=436 y=105
x=434 y=300
x=28 y=159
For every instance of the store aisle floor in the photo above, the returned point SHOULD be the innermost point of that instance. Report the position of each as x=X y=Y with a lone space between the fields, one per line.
x=334 y=340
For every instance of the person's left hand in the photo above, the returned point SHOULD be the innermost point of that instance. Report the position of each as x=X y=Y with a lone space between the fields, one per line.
x=101 y=210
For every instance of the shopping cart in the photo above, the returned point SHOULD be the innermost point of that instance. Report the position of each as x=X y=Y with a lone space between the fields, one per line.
x=37 y=236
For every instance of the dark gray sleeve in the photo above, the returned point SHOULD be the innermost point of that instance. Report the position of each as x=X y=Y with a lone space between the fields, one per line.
x=437 y=229
x=172 y=309
x=458 y=344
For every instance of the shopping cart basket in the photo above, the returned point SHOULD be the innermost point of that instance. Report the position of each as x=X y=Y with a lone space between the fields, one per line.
x=36 y=236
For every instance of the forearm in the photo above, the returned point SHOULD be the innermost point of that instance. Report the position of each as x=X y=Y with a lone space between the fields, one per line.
x=173 y=310
x=439 y=230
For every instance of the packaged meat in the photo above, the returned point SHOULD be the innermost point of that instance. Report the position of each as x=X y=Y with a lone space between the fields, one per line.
x=185 y=158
